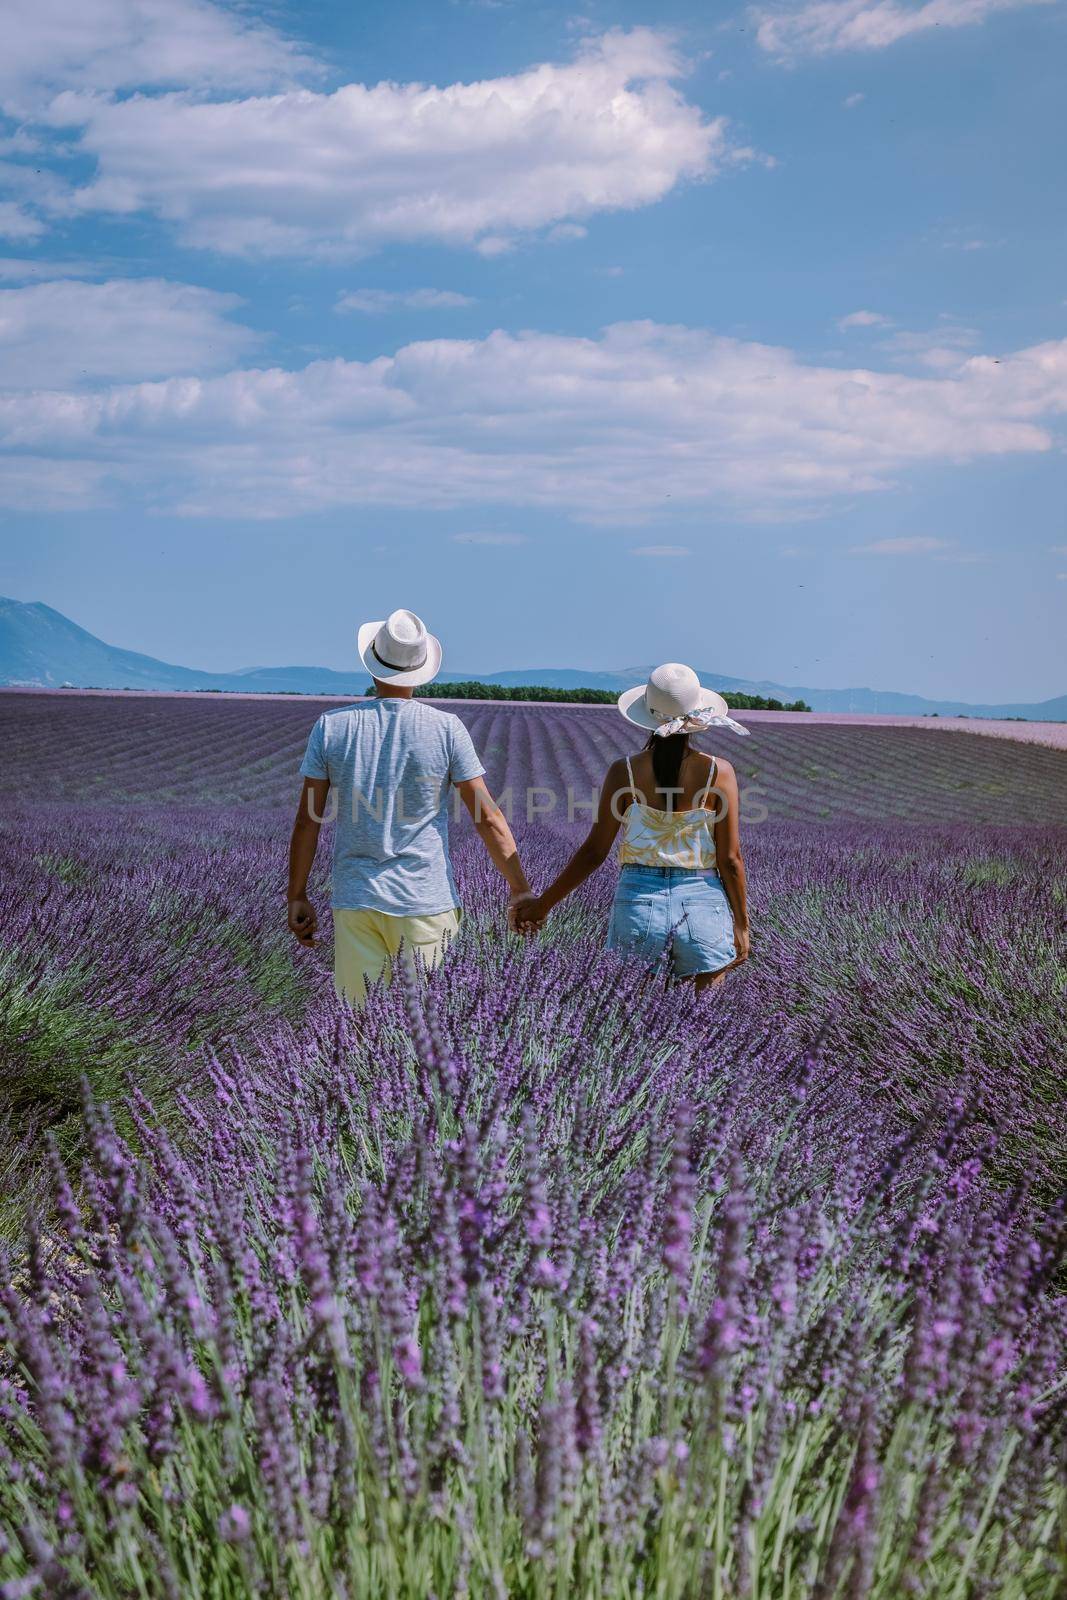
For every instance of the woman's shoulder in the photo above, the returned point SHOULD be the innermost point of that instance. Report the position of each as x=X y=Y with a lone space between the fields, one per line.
x=632 y=756
x=711 y=763
x=720 y=771
x=617 y=785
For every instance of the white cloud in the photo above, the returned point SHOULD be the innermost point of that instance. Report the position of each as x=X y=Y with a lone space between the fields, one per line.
x=605 y=429
x=661 y=550
x=19 y=269
x=911 y=546
x=916 y=545
x=1058 y=549
x=863 y=319
x=380 y=300
x=494 y=244
x=963 y=237
x=40 y=483
x=35 y=195
x=1061 y=577
x=20 y=142
x=823 y=26
x=18 y=223
x=344 y=173
x=941 y=349
x=851 y=101
x=104 y=45
x=67 y=333
x=489 y=538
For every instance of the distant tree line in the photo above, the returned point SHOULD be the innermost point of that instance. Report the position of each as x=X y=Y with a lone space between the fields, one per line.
x=762 y=702
x=475 y=690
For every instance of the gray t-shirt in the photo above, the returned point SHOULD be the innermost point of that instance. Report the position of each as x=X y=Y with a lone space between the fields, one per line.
x=390 y=763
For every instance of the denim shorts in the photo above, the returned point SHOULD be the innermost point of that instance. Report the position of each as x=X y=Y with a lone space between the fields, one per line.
x=657 y=905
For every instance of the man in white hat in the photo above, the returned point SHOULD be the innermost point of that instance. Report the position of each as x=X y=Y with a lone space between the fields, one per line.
x=391 y=762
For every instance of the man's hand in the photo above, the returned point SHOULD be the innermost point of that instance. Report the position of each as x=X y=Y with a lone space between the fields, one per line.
x=302 y=847
x=524 y=913
x=303 y=922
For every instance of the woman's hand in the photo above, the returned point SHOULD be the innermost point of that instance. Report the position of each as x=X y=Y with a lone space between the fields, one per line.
x=741 y=945
x=525 y=914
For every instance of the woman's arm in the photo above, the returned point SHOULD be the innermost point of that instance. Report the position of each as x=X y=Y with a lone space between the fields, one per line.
x=728 y=856
x=590 y=854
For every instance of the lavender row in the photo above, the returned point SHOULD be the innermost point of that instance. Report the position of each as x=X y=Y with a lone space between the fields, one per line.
x=244 y=754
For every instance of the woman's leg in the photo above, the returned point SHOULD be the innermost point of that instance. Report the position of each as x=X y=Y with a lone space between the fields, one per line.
x=703 y=941
x=639 y=913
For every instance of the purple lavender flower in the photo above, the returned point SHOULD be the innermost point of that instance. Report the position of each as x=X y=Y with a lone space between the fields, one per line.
x=722 y=1329
x=235 y=1525
x=678 y=1214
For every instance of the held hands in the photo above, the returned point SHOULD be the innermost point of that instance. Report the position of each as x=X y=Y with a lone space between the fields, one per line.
x=302 y=922
x=525 y=915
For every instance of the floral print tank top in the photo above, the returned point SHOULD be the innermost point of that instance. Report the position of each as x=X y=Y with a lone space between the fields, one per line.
x=680 y=839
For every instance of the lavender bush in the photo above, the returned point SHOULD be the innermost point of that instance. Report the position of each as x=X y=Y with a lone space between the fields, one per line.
x=131 y=941
x=539 y=1279
x=532 y=1301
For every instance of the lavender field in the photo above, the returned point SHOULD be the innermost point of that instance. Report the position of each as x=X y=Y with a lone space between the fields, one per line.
x=538 y=1281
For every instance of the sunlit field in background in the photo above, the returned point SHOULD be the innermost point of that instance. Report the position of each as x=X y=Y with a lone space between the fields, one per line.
x=541 y=1279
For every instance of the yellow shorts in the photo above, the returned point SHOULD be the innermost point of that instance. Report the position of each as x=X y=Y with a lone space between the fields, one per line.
x=366 y=943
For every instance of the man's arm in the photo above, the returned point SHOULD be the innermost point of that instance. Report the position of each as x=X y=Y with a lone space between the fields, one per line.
x=302 y=847
x=492 y=828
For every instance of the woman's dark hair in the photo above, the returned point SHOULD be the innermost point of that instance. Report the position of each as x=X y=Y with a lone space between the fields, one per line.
x=667 y=757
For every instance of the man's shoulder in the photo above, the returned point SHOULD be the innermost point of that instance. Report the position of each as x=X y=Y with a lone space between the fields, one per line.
x=435 y=716
x=340 y=713
x=335 y=726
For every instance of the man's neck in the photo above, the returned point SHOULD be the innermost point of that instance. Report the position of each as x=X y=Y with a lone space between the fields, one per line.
x=392 y=691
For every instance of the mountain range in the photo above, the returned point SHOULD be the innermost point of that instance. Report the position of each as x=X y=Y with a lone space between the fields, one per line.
x=41 y=648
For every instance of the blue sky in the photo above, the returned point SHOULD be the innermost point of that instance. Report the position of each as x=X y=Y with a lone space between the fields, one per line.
x=735 y=335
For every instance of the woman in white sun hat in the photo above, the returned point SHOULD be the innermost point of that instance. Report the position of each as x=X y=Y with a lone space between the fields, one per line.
x=682 y=883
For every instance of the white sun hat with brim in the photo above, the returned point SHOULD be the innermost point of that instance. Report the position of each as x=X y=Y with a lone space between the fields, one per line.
x=400 y=650
x=675 y=701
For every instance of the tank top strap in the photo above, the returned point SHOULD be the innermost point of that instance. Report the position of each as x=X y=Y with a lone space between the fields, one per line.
x=630 y=775
x=705 y=793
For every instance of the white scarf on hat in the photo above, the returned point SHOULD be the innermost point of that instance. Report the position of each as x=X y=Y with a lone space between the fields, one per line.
x=698 y=722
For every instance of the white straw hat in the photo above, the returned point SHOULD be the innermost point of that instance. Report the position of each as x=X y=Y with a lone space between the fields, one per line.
x=400 y=650
x=674 y=701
